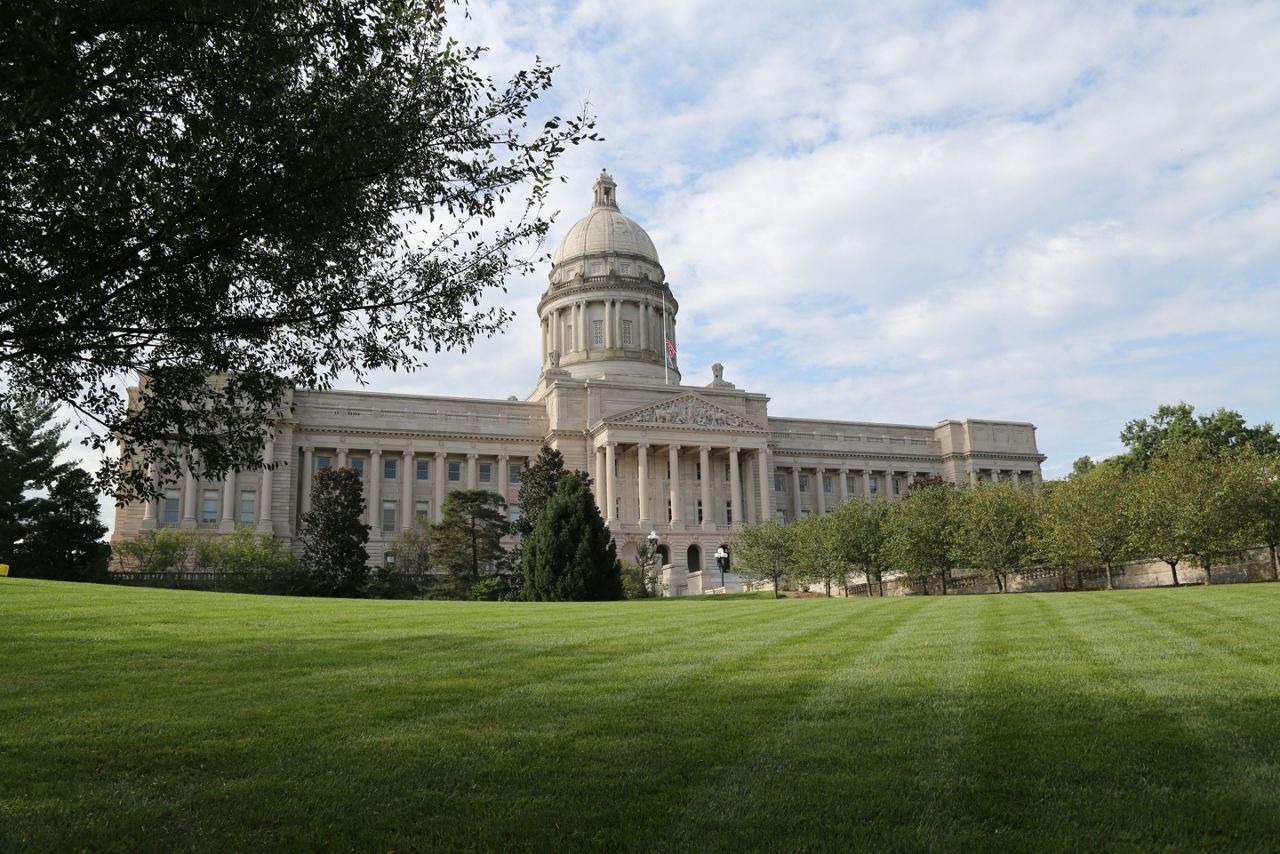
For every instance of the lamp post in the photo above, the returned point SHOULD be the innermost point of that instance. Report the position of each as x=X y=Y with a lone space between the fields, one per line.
x=652 y=539
x=722 y=560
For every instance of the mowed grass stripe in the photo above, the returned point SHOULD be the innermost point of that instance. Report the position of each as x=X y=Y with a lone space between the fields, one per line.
x=158 y=720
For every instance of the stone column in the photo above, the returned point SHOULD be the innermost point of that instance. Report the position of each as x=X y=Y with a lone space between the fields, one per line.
x=265 y=525
x=407 y=475
x=617 y=323
x=611 y=486
x=973 y=477
x=342 y=458
x=188 y=497
x=677 y=518
x=1035 y=478
x=504 y=481
x=308 y=467
x=866 y=485
x=642 y=492
x=442 y=461
x=795 y=492
x=844 y=485
x=473 y=471
x=818 y=475
x=766 y=484
x=542 y=327
x=708 y=514
x=149 y=507
x=735 y=490
x=602 y=498
x=228 y=521
x=608 y=324
x=644 y=326
x=374 y=493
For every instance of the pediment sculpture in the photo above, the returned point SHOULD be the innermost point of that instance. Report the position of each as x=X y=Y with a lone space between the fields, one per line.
x=690 y=411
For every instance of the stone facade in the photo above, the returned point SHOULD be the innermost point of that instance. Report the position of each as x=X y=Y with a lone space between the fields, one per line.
x=689 y=463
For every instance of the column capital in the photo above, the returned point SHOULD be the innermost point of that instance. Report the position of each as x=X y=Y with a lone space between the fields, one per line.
x=473 y=456
x=440 y=455
x=642 y=446
x=408 y=453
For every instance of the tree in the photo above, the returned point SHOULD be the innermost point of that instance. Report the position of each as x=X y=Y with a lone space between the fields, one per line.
x=65 y=542
x=1189 y=502
x=1264 y=503
x=1086 y=520
x=571 y=556
x=412 y=550
x=538 y=483
x=468 y=538
x=334 y=534
x=763 y=551
x=994 y=524
x=272 y=195
x=30 y=443
x=921 y=535
x=1223 y=430
x=816 y=553
x=859 y=532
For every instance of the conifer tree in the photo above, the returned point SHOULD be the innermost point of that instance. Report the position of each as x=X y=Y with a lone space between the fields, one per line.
x=571 y=556
x=29 y=447
x=468 y=538
x=65 y=541
x=334 y=534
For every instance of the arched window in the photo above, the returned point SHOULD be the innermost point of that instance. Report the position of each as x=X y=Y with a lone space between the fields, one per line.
x=695 y=558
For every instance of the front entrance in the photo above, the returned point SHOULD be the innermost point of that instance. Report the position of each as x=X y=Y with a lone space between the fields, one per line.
x=664 y=555
x=695 y=559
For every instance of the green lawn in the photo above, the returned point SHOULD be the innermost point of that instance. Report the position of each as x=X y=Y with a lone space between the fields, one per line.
x=134 y=718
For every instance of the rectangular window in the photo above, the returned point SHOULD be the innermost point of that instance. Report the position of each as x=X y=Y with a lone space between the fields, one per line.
x=169 y=515
x=726 y=472
x=597 y=333
x=779 y=483
x=804 y=483
x=513 y=515
x=697 y=471
x=624 y=268
x=597 y=267
x=617 y=508
x=388 y=517
x=780 y=516
x=626 y=333
x=486 y=472
x=668 y=509
x=421 y=510
x=248 y=507
x=804 y=513
x=875 y=485
x=513 y=472
x=895 y=487
x=455 y=471
x=699 y=511
x=389 y=469
x=827 y=481
x=424 y=469
x=209 y=507
x=357 y=463
x=850 y=485
x=323 y=462
x=728 y=512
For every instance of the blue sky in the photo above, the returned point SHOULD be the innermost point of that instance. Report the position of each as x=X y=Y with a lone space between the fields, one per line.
x=1063 y=213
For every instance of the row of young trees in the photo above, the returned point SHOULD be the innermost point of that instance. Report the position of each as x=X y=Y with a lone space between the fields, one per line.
x=1189 y=489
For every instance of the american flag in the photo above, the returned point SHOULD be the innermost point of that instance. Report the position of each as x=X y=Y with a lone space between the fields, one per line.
x=671 y=353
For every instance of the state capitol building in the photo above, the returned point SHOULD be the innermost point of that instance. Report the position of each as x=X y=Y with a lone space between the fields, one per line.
x=689 y=462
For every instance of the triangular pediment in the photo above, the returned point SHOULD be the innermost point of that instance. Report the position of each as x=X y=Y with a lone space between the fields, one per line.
x=685 y=410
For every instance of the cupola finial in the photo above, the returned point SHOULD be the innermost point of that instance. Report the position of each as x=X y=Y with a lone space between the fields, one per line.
x=606 y=191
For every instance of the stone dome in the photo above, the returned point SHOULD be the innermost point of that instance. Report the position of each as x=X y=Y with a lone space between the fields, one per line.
x=605 y=231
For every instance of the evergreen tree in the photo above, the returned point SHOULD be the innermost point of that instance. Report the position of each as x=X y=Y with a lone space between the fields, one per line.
x=29 y=448
x=65 y=541
x=538 y=483
x=571 y=556
x=468 y=538
x=334 y=534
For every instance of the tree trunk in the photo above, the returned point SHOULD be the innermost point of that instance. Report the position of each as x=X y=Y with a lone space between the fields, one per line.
x=827 y=584
x=1208 y=572
x=1275 y=568
x=1107 y=569
x=879 y=583
x=1079 y=581
x=775 y=588
x=944 y=582
x=1173 y=566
